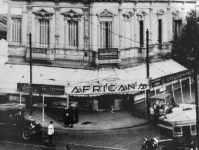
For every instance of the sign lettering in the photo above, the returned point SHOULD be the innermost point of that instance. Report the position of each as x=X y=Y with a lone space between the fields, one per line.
x=40 y=88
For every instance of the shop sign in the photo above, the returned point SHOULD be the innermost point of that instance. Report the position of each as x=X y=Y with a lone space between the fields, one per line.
x=170 y=78
x=105 y=88
x=41 y=88
x=105 y=54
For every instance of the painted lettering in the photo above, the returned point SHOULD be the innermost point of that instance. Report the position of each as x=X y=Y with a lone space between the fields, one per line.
x=85 y=88
x=111 y=88
x=96 y=88
x=75 y=90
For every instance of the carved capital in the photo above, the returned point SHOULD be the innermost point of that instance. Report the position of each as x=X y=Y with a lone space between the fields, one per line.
x=85 y=9
x=57 y=8
x=128 y=15
x=150 y=9
x=29 y=8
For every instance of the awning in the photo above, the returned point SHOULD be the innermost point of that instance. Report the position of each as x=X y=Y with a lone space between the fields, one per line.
x=10 y=75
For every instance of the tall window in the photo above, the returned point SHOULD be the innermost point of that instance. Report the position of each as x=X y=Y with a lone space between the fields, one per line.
x=141 y=34
x=177 y=29
x=160 y=33
x=106 y=34
x=16 y=30
x=73 y=33
x=44 y=33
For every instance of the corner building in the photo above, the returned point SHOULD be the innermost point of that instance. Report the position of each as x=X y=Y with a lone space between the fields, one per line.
x=96 y=35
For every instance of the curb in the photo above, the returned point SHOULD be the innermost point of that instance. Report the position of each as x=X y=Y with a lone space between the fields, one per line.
x=115 y=128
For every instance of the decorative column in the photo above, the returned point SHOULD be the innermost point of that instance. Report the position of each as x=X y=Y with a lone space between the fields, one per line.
x=151 y=28
x=29 y=29
x=57 y=25
x=135 y=27
x=168 y=23
x=86 y=28
x=120 y=27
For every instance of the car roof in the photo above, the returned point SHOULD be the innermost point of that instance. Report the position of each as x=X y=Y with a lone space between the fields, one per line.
x=161 y=95
x=11 y=107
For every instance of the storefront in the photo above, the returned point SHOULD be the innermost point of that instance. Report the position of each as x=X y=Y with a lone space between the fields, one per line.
x=102 y=87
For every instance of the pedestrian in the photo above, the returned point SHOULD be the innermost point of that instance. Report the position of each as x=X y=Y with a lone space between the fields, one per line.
x=71 y=117
x=66 y=117
x=50 y=133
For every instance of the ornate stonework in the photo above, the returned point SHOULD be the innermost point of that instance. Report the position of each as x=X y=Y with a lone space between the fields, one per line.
x=57 y=8
x=29 y=8
x=177 y=15
x=105 y=13
x=44 y=14
x=141 y=15
x=160 y=12
x=128 y=15
x=71 y=14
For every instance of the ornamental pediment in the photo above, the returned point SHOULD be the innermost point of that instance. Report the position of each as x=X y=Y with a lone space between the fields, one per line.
x=43 y=13
x=160 y=12
x=105 y=13
x=71 y=14
x=141 y=14
x=176 y=15
x=128 y=15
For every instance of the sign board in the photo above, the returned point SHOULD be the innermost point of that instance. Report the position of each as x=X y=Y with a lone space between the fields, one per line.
x=105 y=54
x=170 y=78
x=41 y=88
x=108 y=87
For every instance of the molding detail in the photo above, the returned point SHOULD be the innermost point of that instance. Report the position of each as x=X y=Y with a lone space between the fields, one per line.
x=106 y=13
x=85 y=9
x=57 y=8
x=160 y=12
x=44 y=14
x=71 y=14
x=128 y=15
x=177 y=15
x=29 y=8
x=141 y=15
x=56 y=2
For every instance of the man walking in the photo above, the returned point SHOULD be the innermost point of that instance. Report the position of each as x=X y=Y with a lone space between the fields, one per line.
x=50 y=133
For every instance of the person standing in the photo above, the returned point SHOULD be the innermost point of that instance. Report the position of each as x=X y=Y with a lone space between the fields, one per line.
x=66 y=117
x=50 y=132
x=71 y=117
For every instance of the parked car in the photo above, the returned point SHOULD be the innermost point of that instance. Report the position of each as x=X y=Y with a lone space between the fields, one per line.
x=12 y=120
x=161 y=104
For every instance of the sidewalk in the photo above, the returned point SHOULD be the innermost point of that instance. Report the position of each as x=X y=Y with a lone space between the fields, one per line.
x=103 y=120
x=91 y=120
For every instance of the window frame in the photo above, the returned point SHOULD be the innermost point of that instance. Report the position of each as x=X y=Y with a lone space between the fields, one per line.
x=76 y=34
x=48 y=40
x=106 y=32
x=20 y=32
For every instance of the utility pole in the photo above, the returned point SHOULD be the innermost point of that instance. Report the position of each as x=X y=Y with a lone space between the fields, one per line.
x=147 y=73
x=30 y=43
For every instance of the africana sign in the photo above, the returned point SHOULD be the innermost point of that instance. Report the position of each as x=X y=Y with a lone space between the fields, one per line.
x=104 y=88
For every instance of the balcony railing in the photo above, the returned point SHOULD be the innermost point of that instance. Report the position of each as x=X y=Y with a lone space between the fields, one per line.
x=40 y=54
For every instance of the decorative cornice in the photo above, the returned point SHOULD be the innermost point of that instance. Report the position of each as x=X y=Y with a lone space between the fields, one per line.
x=128 y=15
x=85 y=9
x=177 y=15
x=57 y=8
x=56 y=2
x=141 y=15
x=29 y=8
x=43 y=14
x=71 y=14
x=160 y=12
x=105 y=13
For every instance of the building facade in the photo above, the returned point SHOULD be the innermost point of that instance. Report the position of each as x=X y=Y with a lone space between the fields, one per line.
x=77 y=31
x=88 y=33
